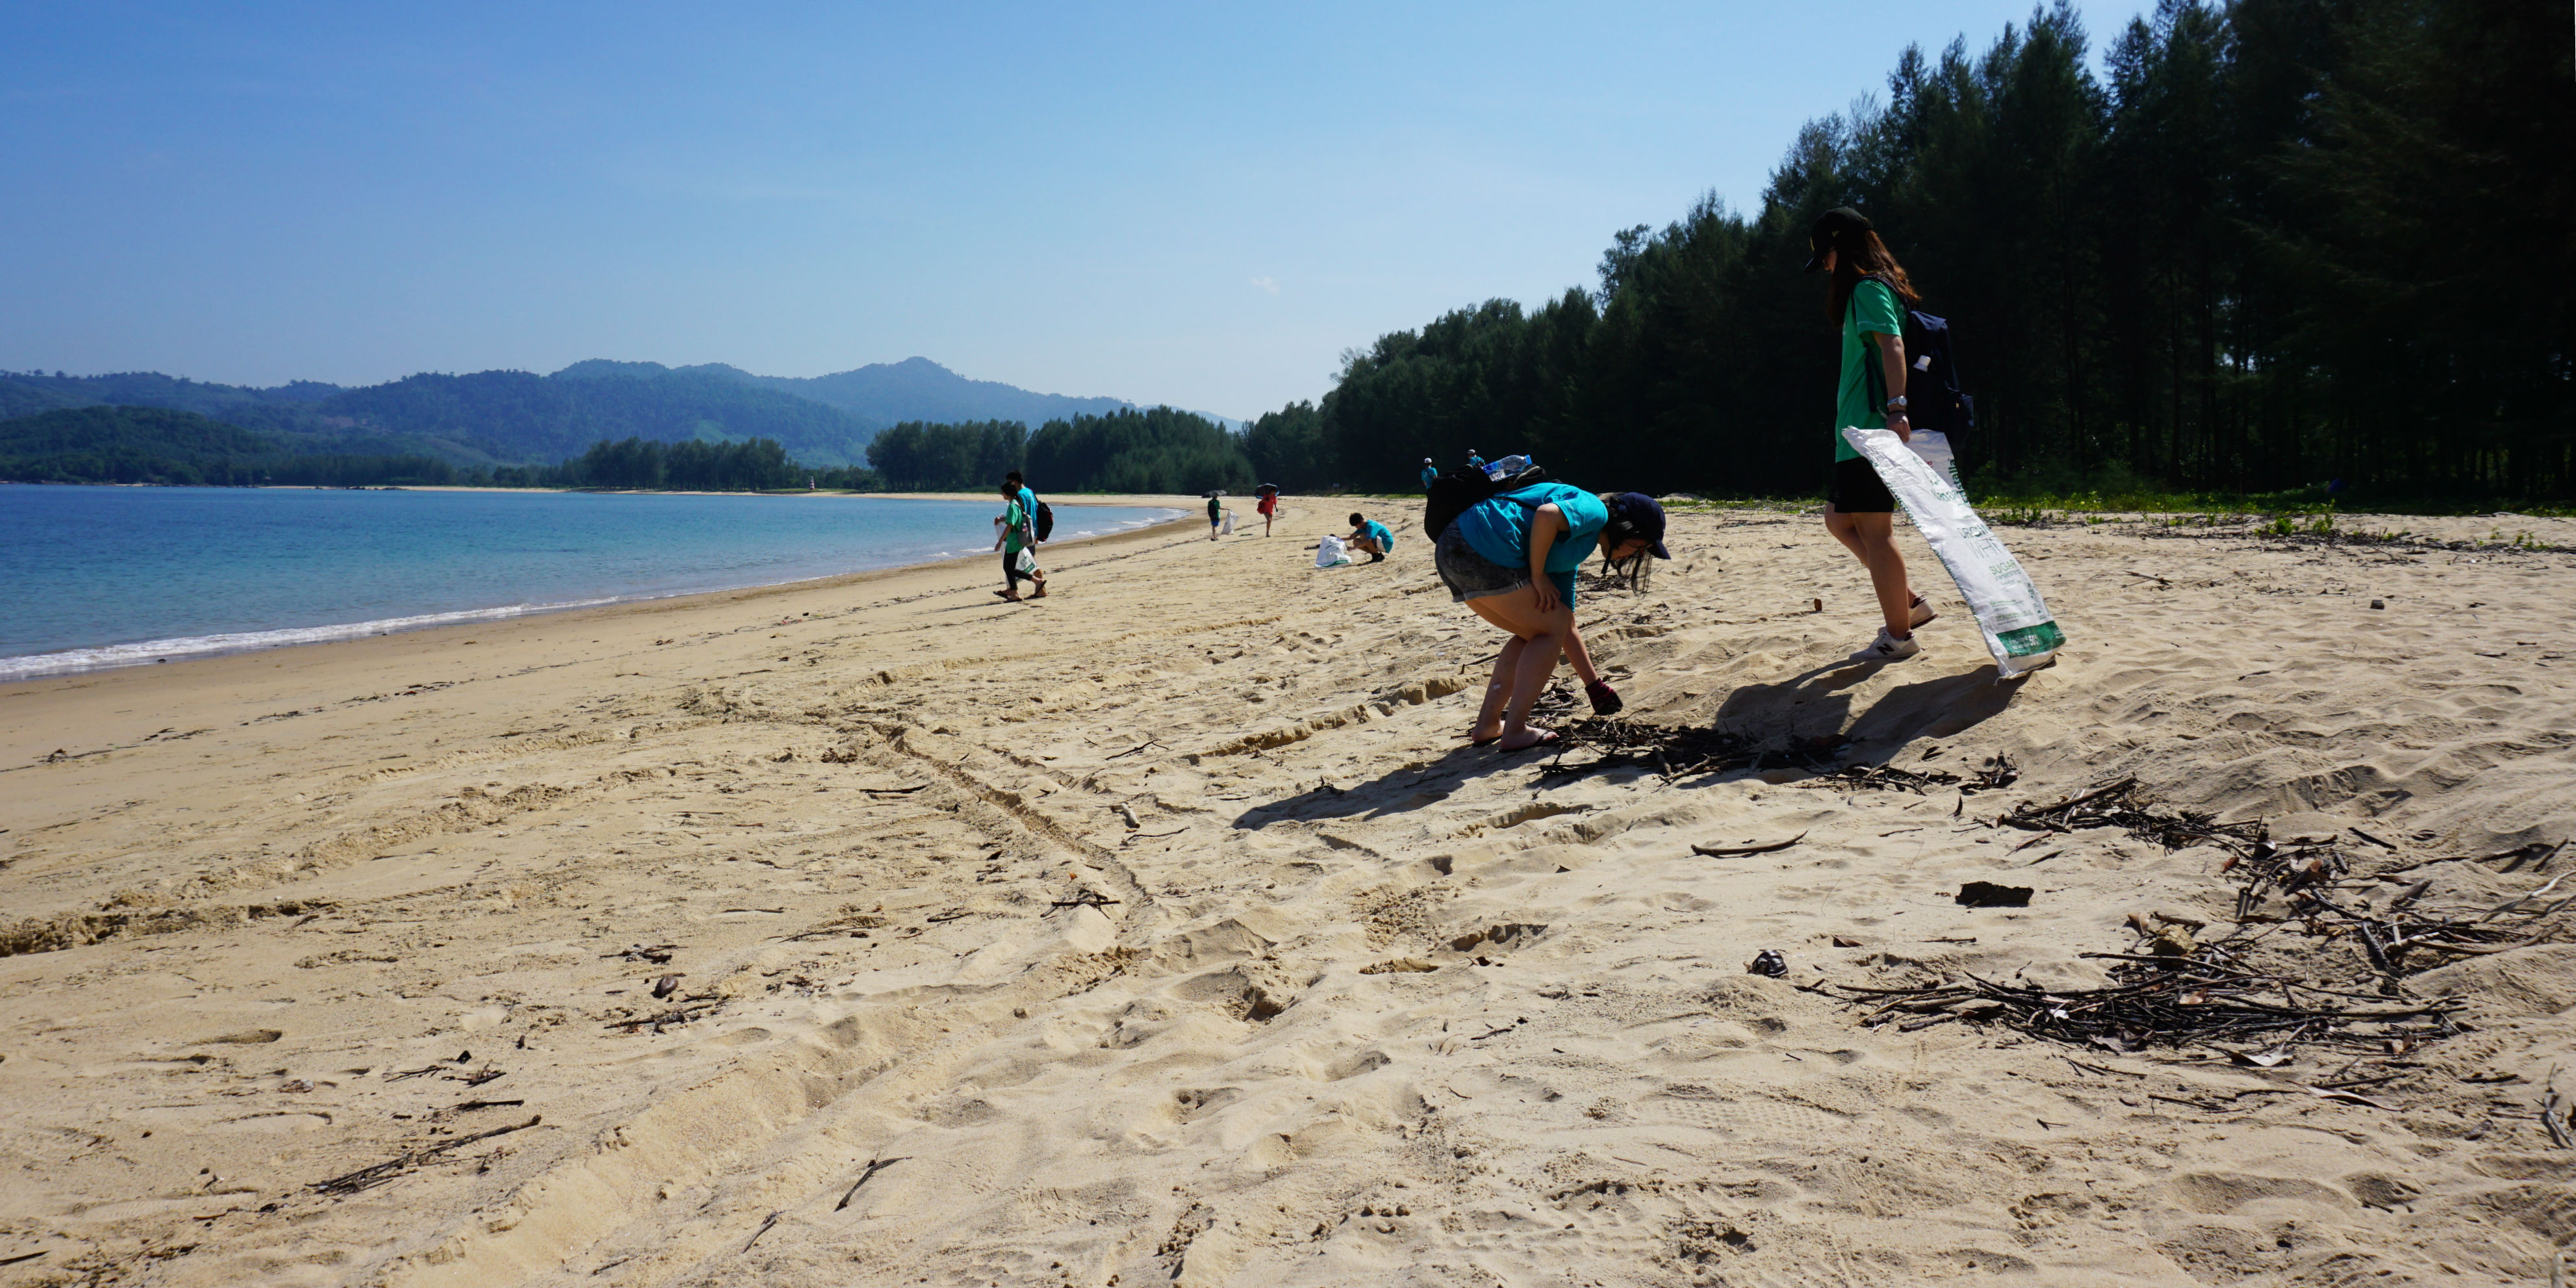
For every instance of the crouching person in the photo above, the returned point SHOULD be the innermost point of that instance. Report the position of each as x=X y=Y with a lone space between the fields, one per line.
x=1371 y=536
x=1511 y=558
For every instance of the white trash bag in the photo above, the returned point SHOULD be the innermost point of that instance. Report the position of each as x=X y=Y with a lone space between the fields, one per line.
x=2009 y=610
x=1330 y=554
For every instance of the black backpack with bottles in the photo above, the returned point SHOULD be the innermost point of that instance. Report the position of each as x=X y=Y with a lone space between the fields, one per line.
x=1934 y=398
x=1453 y=493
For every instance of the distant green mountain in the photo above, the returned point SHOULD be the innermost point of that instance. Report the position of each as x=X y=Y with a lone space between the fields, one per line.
x=917 y=389
x=520 y=418
x=150 y=431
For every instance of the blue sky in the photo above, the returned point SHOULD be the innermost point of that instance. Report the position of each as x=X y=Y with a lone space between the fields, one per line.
x=1195 y=204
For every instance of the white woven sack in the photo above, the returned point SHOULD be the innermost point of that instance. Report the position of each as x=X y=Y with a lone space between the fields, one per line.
x=2007 y=605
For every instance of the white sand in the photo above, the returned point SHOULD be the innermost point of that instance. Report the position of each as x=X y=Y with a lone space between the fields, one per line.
x=256 y=893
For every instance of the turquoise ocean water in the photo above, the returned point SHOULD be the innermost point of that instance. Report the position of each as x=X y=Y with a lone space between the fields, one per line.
x=112 y=576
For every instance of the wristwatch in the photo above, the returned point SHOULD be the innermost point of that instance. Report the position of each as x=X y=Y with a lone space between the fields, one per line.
x=1896 y=403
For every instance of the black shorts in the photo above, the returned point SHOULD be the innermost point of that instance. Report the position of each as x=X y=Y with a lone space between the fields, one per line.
x=1856 y=489
x=1468 y=574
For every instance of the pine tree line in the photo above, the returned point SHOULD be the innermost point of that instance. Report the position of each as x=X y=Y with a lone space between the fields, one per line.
x=2279 y=242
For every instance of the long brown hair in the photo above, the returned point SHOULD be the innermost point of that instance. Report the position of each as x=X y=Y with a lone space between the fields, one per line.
x=1859 y=254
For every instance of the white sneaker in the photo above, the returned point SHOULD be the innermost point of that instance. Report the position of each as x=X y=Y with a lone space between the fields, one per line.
x=1888 y=648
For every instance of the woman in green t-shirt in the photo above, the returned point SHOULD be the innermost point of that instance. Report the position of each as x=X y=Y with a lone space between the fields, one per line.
x=1859 y=511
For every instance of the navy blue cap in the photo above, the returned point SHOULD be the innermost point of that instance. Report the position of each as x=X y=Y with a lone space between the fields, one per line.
x=1634 y=515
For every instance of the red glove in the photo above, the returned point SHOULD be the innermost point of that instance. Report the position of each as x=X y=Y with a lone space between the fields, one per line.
x=1605 y=700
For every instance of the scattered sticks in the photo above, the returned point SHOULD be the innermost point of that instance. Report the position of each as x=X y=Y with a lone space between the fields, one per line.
x=2124 y=806
x=1731 y=851
x=875 y=1165
x=367 y=1178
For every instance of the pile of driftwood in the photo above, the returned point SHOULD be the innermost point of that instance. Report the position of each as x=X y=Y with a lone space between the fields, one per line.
x=2201 y=1003
x=1996 y=773
x=2324 y=937
x=2124 y=806
x=1674 y=753
x=2317 y=887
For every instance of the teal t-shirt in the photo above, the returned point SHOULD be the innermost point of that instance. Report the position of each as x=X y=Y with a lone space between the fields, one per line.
x=1014 y=521
x=1385 y=539
x=1029 y=506
x=1873 y=309
x=1498 y=528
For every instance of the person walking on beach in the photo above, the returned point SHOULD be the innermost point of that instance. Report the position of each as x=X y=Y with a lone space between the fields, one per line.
x=1430 y=473
x=1866 y=295
x=1268 y=506
x=1029 y=507
x=1216 y=512
x=1019 y=533
x=1511 y=559
x=1370 y=535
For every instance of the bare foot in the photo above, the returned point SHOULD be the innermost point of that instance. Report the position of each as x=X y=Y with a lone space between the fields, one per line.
x=1527 y=739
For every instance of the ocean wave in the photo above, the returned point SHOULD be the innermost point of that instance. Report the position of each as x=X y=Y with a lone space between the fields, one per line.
x=68 y=661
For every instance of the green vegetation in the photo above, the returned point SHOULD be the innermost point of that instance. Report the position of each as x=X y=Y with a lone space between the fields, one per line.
x=1131 y=450
x=640 y=464
x=2283 y=242
x=973 y=457
x=128 y=445
x=1155 y=449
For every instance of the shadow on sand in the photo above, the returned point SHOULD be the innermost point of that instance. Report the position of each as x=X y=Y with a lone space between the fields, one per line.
x=1409 y=788
x=1813 y=709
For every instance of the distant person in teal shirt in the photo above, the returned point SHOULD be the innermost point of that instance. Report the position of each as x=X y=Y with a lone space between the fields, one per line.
x=1511 y=559
x=1017 y=535
x=1474 y=462
x=1029 y=507
x=1370 y=535
x=1430 y=473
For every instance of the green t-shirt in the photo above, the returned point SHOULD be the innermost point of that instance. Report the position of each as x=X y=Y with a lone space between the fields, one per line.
x=1873 y=309
x=1014 y=528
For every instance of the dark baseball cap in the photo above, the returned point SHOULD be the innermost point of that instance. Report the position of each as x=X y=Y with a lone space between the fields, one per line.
x=1634 y=515
x=1828 y=231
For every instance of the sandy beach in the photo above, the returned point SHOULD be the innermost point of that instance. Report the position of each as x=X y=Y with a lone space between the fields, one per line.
x=874 y=931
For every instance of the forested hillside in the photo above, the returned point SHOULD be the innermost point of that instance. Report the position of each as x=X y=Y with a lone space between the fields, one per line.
x=2281 y=242
x=162 y=446
x=495 y=418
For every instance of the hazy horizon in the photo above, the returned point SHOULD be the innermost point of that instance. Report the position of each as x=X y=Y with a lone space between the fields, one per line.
x=1177 y=206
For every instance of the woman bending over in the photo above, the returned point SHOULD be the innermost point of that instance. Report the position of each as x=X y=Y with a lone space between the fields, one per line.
x=1511 y=558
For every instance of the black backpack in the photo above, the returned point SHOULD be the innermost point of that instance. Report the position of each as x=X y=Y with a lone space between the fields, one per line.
x=1451 y=494
x=1044 y=521
x=1933 y=396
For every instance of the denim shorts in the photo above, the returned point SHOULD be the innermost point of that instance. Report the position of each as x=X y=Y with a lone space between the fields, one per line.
x=1469 y=575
